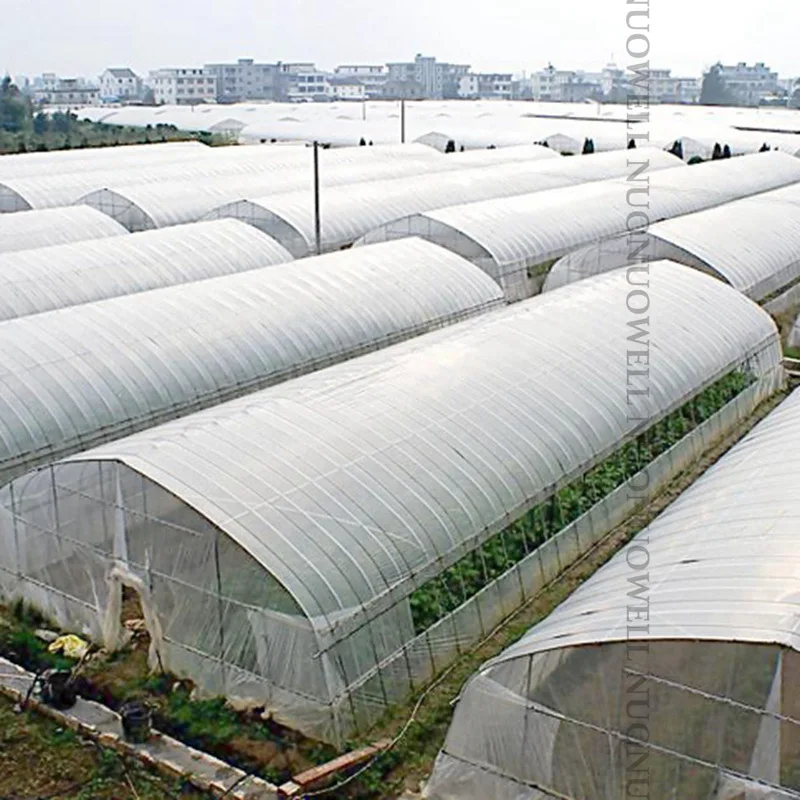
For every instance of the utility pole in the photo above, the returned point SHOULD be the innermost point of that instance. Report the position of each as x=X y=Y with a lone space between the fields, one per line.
x=317 y=226
x=402 y=121
x=364 y=110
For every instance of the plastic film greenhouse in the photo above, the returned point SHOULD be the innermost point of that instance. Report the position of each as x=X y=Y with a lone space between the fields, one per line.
x=27 y=230
x=672 y=671
x=753 y=244
x=81 y=376
x=33 y=281
x=143 y=206
x=58 y=162
x=350 y=212
x=211 y=165
x=329 y=544
x=516 y=240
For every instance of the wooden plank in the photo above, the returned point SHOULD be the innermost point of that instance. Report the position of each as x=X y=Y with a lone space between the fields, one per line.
x=318 y=774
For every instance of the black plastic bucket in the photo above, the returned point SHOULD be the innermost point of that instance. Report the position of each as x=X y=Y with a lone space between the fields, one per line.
x=58 y=689
x=137 y=720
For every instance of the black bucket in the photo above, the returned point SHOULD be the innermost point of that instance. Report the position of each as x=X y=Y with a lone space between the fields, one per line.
x=137 y=719
x=58 y=689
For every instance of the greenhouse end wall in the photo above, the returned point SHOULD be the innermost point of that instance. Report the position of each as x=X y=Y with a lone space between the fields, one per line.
x=721 y=723
x=80 y=531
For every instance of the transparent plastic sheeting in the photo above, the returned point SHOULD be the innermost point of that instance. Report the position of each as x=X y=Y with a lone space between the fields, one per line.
x=350 y=212
x=74 y=378
x=49 y=191
x=719 y=574
x=476 y=123
x=753 y=244
x=516 y=239
x=146 y=205
x=48 y=278
x=283 y=532
x=51 y=226
x=91 y=159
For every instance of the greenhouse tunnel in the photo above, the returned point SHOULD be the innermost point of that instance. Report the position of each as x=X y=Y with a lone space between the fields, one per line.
x=752 y=244
x=351 y=212
x=79 y=376
x=295 y=545
x=144 y=205
x=60 y=162
x=223 y=166
x=28 y=230
x=516 y=240
x=674 y=669
x=50 y=278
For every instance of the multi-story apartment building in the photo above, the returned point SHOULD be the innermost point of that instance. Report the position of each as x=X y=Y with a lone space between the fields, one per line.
x=749 y=83
x=182 y=86
x=486 y=86
x=687 y=90
x=120 y=84
x=246 y=80
x=49 y=89
x=560 y=85
x=301 y=81
x=346 y=88
x=437 y=79
x=372 y=77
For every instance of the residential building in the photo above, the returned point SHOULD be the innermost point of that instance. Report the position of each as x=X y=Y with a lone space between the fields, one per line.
x=373 y=77
x=246 y=80
x=306 y=83
x=438 y=79
x=120 y=84
x=395 y=89
x=687 y=90
x=486 y=86
x=182 y=86
x=49 y=89
x=581 y=86
x=750 y=84
x=548 y=85
x=613 y=80
x=346 y=88
x=301 y=81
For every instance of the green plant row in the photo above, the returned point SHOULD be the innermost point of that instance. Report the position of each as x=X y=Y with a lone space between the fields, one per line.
x=443 y=594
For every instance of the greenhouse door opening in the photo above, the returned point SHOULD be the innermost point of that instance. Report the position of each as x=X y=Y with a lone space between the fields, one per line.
x=131 y=619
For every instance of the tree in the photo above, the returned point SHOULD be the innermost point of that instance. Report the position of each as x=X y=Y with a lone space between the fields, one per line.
x=450 y=147
x=716 y=155
x=677 y=149
x=62 y=122
x=14 y=111
x=41 y=124
x=765 y=148
x=632 y=144
x=715 y=91
x=726 y=151
x=588 y=147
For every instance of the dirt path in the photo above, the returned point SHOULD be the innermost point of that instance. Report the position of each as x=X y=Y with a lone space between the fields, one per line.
x=40 y=760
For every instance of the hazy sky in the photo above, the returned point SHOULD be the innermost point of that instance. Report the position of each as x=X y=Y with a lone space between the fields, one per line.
x=84 y=36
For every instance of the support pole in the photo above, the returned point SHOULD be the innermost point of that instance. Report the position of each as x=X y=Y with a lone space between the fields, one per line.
x=402 y=122
x=317 y=225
